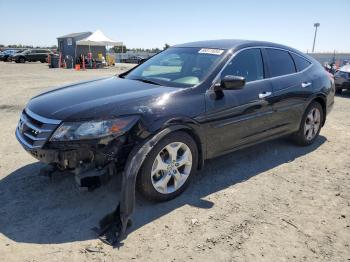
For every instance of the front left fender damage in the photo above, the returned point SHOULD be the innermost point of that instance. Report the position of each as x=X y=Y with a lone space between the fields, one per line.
x=92 y=164
x=114 y=225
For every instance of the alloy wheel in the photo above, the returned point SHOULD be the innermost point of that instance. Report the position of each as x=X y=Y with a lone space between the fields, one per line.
x=312 y=123
x=171 y=167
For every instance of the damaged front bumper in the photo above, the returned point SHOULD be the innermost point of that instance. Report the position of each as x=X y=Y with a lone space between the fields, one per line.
x=86 y=159
x=91 y=161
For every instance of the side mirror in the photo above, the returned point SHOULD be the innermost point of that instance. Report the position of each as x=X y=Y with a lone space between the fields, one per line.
x=231 y=82
x=142 y=60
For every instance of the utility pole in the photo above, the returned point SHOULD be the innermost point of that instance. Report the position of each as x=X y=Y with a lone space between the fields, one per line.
x=316 y=25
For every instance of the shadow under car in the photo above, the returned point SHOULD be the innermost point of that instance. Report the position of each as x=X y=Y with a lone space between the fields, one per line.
x=37 y=210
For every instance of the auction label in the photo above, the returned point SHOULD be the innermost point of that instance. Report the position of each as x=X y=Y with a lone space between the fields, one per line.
x=211 y=51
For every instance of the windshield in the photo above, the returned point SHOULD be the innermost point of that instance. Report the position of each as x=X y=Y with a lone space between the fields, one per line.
x=178 y=66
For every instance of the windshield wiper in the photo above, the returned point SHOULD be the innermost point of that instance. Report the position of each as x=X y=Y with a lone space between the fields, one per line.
x=146 y=81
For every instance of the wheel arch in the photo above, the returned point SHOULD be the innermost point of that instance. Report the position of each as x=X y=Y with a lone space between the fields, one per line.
x=191 y=132
x=322 y=100
x=19 y=58
x=187 y=125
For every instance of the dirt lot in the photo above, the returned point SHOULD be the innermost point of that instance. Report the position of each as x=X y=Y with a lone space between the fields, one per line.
x=273 y=202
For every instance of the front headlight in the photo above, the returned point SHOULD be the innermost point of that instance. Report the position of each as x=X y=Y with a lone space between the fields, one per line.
x=69 y=131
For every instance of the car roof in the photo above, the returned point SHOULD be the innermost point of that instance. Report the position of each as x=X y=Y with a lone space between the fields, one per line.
x=232 y=44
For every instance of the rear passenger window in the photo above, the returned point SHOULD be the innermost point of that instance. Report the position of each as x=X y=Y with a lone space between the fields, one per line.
x=280 y=62
x=248 y=64
x=300 y=62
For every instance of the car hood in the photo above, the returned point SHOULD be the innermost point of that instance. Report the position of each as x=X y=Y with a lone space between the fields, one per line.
x=96 y=99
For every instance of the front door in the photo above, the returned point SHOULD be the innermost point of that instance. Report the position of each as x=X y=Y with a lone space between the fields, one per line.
x=239 y=117
x=31 y=55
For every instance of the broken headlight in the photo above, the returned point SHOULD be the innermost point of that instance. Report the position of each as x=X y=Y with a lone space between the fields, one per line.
x=68 y=131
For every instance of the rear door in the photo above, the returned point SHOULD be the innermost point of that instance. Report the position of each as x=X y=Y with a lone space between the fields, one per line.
x=43 y=54
x=290 y=89
x=31 y=55
x=240 y=117
x=40 y=55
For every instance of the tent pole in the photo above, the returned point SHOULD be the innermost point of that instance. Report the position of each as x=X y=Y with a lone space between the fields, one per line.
x=75 y=54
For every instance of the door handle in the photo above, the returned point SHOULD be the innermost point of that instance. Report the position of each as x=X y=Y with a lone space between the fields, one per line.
x=305 y=84
x=264 y=94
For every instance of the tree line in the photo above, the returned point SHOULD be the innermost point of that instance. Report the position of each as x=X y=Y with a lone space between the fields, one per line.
x=27 y=46
x=116 y=49
x=124 y=49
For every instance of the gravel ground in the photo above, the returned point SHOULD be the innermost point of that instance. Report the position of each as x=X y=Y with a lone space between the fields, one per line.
x=272 y=202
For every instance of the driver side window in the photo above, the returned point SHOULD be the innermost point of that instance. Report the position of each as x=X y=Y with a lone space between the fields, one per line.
x=171 y=64
x=248 y=63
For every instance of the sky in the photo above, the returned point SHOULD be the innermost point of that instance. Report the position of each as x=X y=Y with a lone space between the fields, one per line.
x=152 y=23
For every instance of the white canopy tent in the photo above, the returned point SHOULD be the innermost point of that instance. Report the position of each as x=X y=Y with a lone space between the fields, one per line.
x=98 y=39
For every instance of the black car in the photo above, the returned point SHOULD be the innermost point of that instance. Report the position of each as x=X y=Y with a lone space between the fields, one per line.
x=8 y=54
x=32 y=55
x=133 y=60
x=342 y=79
x=160 y=121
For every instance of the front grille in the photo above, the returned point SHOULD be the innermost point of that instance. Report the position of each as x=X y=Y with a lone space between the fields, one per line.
x=33 y=131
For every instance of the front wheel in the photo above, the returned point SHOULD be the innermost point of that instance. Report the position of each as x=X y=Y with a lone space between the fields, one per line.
x=168 y=169
x=310 y=126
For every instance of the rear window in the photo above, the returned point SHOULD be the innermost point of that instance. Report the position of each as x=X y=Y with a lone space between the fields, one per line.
x=248 y=64
x=300 y=62
x=280 y=62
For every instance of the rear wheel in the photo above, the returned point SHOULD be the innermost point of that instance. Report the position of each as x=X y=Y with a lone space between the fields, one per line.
x=168 y=169
x=310 y=126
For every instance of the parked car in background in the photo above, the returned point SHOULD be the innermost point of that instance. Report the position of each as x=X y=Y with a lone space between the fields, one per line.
x=133 y=60
x=32 y=55
x=342 y=79
x=7 y=54
x=11 y=56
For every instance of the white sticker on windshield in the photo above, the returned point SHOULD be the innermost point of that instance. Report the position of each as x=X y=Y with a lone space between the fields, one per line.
x=211 y=51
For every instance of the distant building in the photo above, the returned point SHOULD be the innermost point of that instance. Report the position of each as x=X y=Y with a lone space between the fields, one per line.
x=338 y=58
x=67 y=46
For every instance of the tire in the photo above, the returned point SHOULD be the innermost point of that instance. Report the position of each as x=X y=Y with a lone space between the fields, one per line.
x=175 y=181
x=310 y=128
x=338 y=91
x=22 y=60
